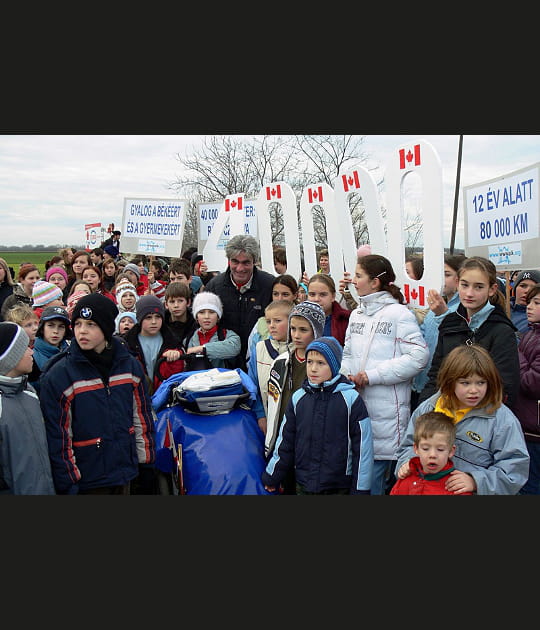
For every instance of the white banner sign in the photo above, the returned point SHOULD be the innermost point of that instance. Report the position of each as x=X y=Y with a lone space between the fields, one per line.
x=153 y=226
x=502 y=218
x=208 y=213
x=93 y=235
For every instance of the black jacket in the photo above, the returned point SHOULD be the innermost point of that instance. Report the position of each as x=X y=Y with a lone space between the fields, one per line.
x=241 y=311
x=497 y=334
x=5 y=291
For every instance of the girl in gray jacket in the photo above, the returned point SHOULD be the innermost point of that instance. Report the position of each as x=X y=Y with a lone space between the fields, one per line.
x=491 y=455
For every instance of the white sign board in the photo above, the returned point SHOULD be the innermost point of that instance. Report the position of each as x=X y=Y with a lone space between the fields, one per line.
x=283 y=194
x=502 y=219
x=421 y=158
x=208 y=213
x=153 y=226
x=91 y=231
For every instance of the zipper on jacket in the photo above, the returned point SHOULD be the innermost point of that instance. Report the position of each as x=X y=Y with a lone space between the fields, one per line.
x=95 y=441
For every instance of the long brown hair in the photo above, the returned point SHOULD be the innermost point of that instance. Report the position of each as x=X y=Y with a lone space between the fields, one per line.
x=462 y=362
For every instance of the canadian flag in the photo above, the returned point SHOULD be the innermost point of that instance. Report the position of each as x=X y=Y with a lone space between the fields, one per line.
x=273 y=191
x=233 y=204
x=350 y=181
x=414 y=295
x=315 y=195
x=406 y=156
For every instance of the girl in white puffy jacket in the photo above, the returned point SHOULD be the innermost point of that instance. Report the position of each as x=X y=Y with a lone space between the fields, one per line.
x=384 y=350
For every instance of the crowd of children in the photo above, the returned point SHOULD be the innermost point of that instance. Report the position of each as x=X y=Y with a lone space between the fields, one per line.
x=368 y=397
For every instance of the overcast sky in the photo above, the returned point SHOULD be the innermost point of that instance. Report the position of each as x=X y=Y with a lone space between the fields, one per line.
x=52 y=185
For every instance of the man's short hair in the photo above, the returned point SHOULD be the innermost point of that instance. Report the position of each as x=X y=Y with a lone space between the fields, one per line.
x=242 y=243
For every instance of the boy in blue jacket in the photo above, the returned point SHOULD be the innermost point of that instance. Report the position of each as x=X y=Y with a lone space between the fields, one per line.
x=97 y=410
x=326 y=431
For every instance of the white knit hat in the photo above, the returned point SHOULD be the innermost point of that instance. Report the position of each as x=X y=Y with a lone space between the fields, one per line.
x=129 y=314
x=207 y=299
x=125 y=287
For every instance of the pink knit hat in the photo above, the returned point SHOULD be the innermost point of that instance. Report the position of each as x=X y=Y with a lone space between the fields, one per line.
x=59 y=270
x=45 y=292
x=363 y=250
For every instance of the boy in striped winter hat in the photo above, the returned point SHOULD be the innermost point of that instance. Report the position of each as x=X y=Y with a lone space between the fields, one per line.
x=24 y=450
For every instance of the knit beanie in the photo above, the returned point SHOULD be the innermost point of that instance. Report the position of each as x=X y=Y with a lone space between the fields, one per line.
x=54 y=312
x=531 y=274
x=207 y=299
x=59 y=270
x=331 y=350
x=45 y=292
x=99 y=309
x=133 y=267
x=313 y=313
x=148 y=304
x=125 y=287
x=363 y=250
x=130 y=314
x=13 y=344
x=112 y=250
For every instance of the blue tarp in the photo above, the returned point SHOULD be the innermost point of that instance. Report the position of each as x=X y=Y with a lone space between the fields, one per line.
x=222 y=453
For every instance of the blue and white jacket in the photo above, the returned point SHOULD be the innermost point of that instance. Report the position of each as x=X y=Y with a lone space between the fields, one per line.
x=98 y=433
x=326 y=437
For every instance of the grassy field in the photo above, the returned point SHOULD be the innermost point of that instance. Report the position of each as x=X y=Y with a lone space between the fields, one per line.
x=15 y=259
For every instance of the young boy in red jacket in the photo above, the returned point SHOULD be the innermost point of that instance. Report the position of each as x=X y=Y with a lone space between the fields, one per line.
x=434 y=445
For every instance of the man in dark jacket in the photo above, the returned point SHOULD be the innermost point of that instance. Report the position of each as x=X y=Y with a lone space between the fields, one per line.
x=114 y=239
x=245 y=290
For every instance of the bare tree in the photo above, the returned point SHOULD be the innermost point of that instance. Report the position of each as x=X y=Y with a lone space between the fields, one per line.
x=231 y=164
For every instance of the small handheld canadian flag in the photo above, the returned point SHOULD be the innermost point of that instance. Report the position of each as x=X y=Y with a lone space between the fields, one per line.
x=414 y=296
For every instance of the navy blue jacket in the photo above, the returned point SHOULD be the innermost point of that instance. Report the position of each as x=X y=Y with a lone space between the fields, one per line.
x=326 y=437
x=97 y=433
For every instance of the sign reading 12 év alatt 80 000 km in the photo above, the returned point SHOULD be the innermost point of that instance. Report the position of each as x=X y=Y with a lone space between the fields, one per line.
x=501 y=219
x=153 y=226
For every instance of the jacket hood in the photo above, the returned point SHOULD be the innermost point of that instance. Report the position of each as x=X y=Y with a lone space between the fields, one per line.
x=12 y=385
x=370 y=304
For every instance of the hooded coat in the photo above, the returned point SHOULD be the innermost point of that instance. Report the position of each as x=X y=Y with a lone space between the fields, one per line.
x=387 y=334
x=24 y=457
x=326 y=437
x=527 y=407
